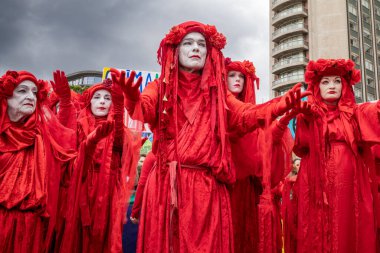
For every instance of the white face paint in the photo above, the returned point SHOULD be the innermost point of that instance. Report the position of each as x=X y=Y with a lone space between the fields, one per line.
x=192 y=52
x=101 y=102
x=236 y=81
x=23 y=101
x=330 y=88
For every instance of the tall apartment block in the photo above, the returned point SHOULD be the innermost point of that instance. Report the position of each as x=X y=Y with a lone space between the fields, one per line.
x=303 y=30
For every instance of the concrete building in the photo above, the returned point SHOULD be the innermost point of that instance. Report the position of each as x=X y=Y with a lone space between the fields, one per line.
x=85 y=78
x=303 y=30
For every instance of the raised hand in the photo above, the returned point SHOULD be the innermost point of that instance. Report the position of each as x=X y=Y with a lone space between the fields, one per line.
x=61 y=87
x=279 y=127
x=130 y=89
x=100 y=132
x=291 y=99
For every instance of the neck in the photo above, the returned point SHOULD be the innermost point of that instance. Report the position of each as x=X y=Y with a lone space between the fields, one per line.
x=17 y=117
x=335 y=103
x=195 y=71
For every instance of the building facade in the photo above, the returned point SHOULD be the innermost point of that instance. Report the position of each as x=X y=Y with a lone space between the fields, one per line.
x=85 y=78
x=303 y=30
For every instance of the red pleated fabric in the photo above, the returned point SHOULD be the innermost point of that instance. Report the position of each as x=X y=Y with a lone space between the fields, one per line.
x=333 y=188
x=100 y=187
x=32 y=154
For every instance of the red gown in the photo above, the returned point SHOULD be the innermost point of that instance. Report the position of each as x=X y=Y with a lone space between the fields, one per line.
x=343 y=219
x=203 y=221
x=31 y=157
x=99 y=189
x=145 y=170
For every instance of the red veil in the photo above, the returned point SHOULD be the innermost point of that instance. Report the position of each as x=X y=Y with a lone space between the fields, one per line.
x=103 y=181
x=31 y=157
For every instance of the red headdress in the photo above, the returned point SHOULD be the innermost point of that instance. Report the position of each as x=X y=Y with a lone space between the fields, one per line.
x=11 y=79
x=212 y=83
x=54 y=145
x=249 y=71
x=315 y=70
x=87 y=94
x=317 y=126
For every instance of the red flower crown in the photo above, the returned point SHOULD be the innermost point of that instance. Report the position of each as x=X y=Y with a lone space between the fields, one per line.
x=11 y=79
x=86 y=97
x=246 y=67
x=176 y=34
x=315 y=70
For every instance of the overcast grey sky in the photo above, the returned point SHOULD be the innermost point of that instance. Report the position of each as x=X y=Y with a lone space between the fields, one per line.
x=72 y=35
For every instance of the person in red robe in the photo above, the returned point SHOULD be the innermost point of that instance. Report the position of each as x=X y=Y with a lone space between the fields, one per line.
x=247 y=160
x=34 y=147
x=333 y=188
x=145 y=170
x=289 y=208
x=186 y=207
x=98 y=190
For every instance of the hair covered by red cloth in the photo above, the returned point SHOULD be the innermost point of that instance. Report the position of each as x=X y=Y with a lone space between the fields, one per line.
x=315 y=70
x=87 y=94
x=176 y=34
x=11 y=79
x=249 y=71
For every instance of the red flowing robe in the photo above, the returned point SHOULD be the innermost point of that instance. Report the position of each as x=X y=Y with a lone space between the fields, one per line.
x=98 y=191
x=145 y=170
x=247 y=160
x=203 y=221
x=31 y=157
x=288 y=210
x=343 y=219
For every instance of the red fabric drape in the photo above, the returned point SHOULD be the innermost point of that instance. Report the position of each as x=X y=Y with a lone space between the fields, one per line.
x=31 y=158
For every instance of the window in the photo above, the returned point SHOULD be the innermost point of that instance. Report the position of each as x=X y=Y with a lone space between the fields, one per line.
x=366 y=18
x=352 y=9
x=365 y=3
x=353 y=26
x=358 y=92
x=354 y=42
x=370 y=82
x=366 y=33
x=368 y=65
x=368 y=49
x=371 y=97
x=355 y=58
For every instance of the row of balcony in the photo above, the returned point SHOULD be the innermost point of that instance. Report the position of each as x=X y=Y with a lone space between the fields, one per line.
x=288 y=14
x=286 y=64
x=284 y=48
x=288 y=30
x=279 y=4
x=287 y=81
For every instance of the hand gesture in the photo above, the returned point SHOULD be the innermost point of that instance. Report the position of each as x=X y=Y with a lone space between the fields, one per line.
x=101 y=131
x=134 y=220
x=291 y=99
x=61 y=86
x=130 y=89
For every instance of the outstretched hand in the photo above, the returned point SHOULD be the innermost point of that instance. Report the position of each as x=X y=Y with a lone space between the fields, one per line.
x=61 y=86
x=100 y=132
x=304 y=107
x=130 y=88
x=291 y=99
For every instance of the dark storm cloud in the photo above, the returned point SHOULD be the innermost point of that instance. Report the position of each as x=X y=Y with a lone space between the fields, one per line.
x=41 y=35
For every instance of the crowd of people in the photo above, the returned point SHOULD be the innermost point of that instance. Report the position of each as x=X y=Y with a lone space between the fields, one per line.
x=221 y=175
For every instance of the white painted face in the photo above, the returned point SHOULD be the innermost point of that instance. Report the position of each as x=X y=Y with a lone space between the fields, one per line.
x=192 y=52
x=330 y=88
x=101 y=102
x=236 y=82
x=23 y=101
